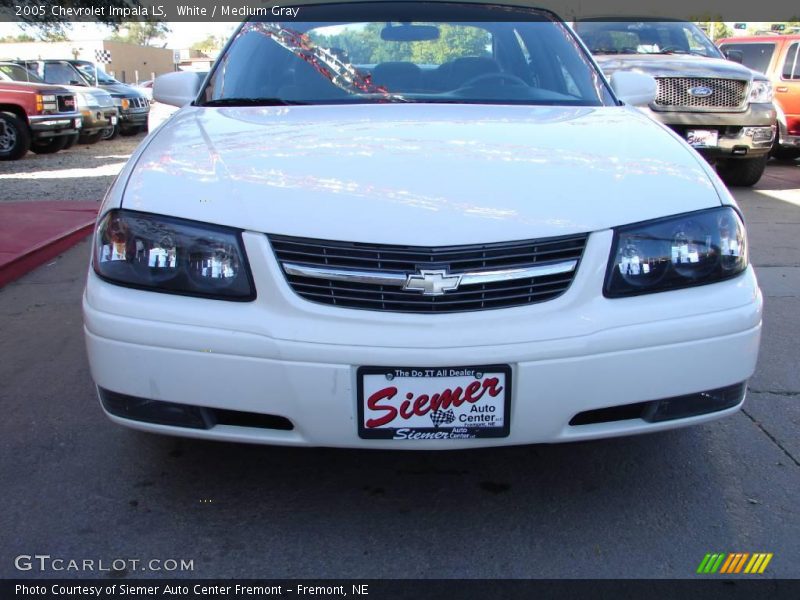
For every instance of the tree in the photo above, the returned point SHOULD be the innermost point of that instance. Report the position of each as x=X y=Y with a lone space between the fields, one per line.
x=52 y=33
x=142 y=33
x=41 y=32
x=720 y=30
x=455 y=41
x=713 y=25
x=210 y=45
x=365 y=46
x=22 y=37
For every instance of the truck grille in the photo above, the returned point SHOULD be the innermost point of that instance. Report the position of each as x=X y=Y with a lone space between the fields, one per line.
x=138 y=102
x=348 y=260
x=66 y=103
x=673 y=92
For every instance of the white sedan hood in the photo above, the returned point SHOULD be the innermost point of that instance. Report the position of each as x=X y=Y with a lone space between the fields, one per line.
x=417 y=174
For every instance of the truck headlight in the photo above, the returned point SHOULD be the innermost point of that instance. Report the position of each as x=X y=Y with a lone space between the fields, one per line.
x=165 y=254
x=761 y=92
x=676 y=252
x=46 y=103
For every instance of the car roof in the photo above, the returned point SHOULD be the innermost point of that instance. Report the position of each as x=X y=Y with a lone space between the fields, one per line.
x=554 y=8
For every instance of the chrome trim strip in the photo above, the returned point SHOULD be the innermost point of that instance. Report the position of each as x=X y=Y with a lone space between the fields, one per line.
x=477 y=278
x=399 y=279
x=354 y=276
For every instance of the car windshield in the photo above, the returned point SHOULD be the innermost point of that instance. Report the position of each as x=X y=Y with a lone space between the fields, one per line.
x=88 y=72
x=18 y=73
x=646 y=37
x=529 y=58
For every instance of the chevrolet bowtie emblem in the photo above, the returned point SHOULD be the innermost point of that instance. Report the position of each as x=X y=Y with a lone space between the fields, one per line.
x=432 y=283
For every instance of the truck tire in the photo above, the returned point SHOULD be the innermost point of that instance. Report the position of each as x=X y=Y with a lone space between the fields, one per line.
x=91 y=138
x=71 y=141
x=15 y=138
x=782 y=153
x=50 y=146
x=109 y=133
x=741 y=172
x=133 y=130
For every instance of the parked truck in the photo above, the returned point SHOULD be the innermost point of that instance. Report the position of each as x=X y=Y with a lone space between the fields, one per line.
x=36 y=116
x=720 y=107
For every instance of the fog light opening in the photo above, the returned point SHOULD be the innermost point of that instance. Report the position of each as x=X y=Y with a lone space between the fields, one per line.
x=667 y=409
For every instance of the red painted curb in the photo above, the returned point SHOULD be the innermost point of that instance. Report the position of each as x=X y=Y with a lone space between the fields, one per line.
x=42 y=252
x=34 y=232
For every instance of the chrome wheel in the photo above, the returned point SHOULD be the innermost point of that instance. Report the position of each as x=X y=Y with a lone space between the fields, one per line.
x=8 y=136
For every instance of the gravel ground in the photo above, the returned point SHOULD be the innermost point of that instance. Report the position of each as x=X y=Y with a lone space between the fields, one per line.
x=80 y=173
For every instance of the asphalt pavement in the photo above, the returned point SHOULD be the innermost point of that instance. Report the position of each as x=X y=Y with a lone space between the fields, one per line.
x=75 y=486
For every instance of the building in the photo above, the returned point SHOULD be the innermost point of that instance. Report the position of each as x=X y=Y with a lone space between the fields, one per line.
x=195 y=60
x=130 y=63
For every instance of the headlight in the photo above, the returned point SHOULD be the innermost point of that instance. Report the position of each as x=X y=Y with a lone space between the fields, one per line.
x=676 y=252
x=103 y=99
x=761 y=92
x=46 y=103
x=80 y=98
x=125 y=104
x=165 y=254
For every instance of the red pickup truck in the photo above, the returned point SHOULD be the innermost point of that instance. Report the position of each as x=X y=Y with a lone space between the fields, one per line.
x=39 y=117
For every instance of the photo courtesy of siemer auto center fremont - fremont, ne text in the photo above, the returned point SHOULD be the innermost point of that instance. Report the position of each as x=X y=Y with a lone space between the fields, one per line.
x=399 y=299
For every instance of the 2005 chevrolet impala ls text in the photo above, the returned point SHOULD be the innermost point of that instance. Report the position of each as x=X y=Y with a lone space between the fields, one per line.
x=416 y=225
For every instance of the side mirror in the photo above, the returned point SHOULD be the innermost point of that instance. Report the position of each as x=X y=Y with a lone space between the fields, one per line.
x=636 y=89
x=736 y=56
x=177 y=89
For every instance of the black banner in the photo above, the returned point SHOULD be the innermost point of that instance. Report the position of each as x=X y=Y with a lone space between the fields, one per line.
x=372 y=589
x=117 y=11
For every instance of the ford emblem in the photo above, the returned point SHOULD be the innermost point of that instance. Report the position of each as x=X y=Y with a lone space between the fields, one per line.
x=700 y=91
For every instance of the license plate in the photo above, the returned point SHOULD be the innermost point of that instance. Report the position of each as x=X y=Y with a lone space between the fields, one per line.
x=113 y=120
x=78 y=123
x=434 y=403
x=702 y=138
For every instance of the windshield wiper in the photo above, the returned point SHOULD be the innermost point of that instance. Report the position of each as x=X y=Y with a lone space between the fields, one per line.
x=676 y=51
x=253 y=102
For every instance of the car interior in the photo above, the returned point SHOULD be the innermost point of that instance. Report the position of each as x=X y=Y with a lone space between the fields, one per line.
x=514 y=65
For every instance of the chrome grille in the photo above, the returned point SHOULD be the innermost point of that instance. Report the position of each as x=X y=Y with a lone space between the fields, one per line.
x=673 y=92
x=390 y=263
x=137 y=102
x=66 y=103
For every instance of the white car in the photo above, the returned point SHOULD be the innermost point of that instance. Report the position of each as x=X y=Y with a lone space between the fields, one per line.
x=421 y=229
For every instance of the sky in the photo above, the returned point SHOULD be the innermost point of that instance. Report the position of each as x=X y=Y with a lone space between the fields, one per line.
x=183 y=34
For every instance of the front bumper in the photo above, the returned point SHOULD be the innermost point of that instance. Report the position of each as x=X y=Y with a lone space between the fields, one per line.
x=47 y=126
x=134 y=117
x=294 y=360
x=749 y=133
x=96 y=119
x=787 y=140
x=788 y=128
